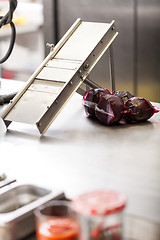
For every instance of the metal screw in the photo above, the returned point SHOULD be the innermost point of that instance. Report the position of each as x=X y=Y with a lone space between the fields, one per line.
x=87 y=65
x=39 y=124
x=51 y=46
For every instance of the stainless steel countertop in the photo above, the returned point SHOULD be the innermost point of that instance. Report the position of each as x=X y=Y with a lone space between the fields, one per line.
x=78 y=154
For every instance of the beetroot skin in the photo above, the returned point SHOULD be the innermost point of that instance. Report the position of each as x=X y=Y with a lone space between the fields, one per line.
x=124 y=95
x=110 y=109
x=92 y=98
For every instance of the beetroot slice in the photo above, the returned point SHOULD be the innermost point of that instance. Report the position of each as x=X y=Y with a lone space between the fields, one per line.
x=124 y=95
x=92 y=98
x=110 y=109
x=139 y=109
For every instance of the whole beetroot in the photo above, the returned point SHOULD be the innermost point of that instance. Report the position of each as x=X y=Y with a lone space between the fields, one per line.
x=92 y=98
x=124 y=95
x=138 y=109
x=110 y=109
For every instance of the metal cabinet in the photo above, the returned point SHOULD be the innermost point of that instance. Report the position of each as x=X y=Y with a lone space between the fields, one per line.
x=136 y=50
x=148 y=49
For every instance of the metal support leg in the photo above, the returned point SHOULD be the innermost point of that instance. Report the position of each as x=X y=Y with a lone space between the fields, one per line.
x=111 y=67
x=50 y=11
x=91 y=84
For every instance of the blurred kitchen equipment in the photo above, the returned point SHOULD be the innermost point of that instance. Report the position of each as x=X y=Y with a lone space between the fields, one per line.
x=57 y=220
x=17 y=203
x=5 y=180
x=101 y=214
x=6 y=98
x=7 y=19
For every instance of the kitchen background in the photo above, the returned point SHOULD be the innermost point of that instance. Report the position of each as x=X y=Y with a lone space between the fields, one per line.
x=136 y=49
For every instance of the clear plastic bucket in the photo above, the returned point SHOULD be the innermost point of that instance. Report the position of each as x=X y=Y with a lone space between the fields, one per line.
x=101 y=215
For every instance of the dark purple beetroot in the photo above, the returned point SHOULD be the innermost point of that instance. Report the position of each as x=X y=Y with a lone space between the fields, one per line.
x=91 y=99
x=110 y=109
x=124 y=95
x=138 y=109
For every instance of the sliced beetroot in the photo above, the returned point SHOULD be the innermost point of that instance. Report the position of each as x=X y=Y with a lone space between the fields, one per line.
x=110 y=109
x=124 y=95
x=139 y=109
x=92 y=98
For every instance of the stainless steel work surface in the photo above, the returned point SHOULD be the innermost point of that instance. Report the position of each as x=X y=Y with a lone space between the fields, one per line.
x=79 y=154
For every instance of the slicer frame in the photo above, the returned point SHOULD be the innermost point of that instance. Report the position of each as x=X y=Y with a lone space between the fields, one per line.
x=61 y=74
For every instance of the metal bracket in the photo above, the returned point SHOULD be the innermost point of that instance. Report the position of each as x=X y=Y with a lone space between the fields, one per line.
x=61 y=74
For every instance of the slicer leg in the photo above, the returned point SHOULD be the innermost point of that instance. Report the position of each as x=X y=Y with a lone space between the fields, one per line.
x=111 y=67
x=90 y=84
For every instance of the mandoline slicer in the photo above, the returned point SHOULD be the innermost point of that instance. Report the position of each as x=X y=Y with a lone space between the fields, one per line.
x=61 y=74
